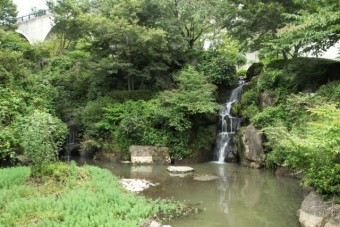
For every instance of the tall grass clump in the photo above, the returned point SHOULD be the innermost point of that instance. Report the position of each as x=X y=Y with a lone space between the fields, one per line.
x=87 y=196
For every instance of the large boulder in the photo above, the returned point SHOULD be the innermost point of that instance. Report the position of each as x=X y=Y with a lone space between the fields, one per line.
x=149 y=155
x=315 y=212
x=254 y=70
x=267 y=99
x=250 y=147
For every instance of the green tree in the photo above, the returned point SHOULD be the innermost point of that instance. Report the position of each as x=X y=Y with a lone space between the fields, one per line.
x=68 y=27
x=194 y=19
x=8 y=15
x=130 y=51
x=256 y=22
x=193 y=96
x=314 y=28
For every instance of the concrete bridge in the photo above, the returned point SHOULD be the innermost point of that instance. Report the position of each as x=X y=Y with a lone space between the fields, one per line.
x=36 y=26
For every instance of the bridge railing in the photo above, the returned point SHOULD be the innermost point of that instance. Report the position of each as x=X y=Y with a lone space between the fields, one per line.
x=38 y=13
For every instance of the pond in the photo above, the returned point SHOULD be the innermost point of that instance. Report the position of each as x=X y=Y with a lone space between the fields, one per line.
x=240 y=197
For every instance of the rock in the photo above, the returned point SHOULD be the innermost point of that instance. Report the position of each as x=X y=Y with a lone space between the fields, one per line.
x=180 y=169
x=315 y=212
x=309 y=220
x=153 y=223
x=254 y=70
x=149 y=155
x=205 y=177
x=136 y=185
x=250 y=147
x=283 y=171
x=267 y=99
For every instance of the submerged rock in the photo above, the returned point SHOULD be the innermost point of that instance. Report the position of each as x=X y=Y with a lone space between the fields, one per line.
x=149 y=155
x=136 y=185
x=316 y=212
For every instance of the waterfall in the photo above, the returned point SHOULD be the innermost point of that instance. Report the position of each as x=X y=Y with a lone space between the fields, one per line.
x=228 y=126
x=71 y=139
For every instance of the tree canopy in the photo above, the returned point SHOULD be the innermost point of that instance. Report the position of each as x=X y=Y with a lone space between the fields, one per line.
x=8 y=15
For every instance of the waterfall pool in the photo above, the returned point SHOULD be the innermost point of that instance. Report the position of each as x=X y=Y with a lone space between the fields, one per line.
x=240 y=197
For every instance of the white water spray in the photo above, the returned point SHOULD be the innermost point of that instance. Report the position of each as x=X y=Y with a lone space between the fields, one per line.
x=229 y=125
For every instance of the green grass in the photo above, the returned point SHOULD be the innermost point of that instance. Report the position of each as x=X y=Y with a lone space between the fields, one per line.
x=90 y=197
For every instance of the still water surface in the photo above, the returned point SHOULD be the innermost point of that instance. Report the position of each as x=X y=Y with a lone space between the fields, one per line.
x=240 y=197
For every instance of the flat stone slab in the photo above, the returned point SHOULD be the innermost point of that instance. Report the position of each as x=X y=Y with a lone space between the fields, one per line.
x=149 y=155
x=205 y=177
x=180 y=169
x=136 y=185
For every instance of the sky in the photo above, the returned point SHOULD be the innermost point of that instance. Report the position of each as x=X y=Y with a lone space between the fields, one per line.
x=24 y=6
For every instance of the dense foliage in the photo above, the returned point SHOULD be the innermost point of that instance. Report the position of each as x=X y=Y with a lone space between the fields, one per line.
x=302 y=128
x=145 y=72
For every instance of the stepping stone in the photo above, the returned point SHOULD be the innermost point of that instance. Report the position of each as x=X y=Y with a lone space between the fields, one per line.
x=180 y=169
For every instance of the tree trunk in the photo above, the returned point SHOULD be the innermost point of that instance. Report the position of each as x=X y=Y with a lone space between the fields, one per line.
x=285 y=56
x=129 y=82
x=132 y=82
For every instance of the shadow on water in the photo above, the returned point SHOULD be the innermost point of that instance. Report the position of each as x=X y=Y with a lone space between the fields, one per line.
x=240 y=197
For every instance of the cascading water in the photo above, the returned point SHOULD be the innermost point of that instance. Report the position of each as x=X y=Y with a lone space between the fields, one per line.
x=70 y=140
x=229 y=125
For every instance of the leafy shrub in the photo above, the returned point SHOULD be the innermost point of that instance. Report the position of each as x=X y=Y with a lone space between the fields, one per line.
x=194 y=93
x=90 y=146
x=269 y=116
x=57 y=172
x=313 y=147
x=8 y=144
x=307 y=73
x=296 y=75
x=270 y=79
x=329 y=92
x=241 y=73
x=41 y=138
x=132 y=122
x=218 y=69
x=92 y=113
x=247 y=107
x=121 y=96
x=205 y=137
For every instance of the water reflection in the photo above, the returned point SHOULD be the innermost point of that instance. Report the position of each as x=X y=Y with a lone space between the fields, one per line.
x=240 y=197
